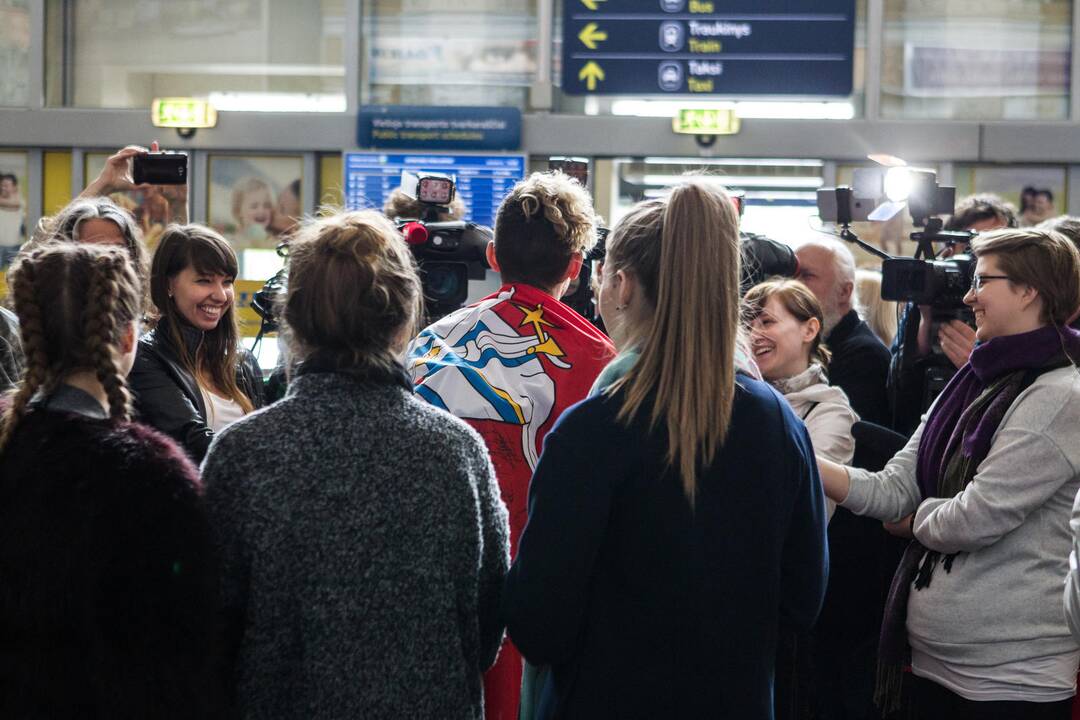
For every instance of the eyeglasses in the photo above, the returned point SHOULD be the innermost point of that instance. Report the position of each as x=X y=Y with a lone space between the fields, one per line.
x=978 y=281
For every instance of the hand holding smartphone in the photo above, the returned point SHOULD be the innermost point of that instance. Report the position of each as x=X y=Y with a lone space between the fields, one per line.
x=160 y=168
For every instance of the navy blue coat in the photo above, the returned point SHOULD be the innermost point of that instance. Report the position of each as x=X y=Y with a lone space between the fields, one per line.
x=646 y=607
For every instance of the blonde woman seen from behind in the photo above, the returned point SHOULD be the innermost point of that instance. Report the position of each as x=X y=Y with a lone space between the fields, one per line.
x=675 y=518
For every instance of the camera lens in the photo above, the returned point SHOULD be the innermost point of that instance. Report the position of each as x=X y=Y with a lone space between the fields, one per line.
x=445 y=283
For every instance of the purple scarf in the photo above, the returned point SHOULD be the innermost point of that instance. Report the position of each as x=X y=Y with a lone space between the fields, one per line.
x=989 y=361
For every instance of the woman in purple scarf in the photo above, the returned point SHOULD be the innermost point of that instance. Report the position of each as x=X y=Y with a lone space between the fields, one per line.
x=985 y=486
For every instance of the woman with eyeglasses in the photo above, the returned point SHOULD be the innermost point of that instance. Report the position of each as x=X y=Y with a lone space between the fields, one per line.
x=985 y=487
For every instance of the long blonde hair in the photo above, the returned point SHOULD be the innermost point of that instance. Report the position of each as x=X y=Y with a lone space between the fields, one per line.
x=880 y=314
x=684 y=251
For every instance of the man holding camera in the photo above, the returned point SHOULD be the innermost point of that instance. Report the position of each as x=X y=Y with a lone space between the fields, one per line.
x=917 y=371
x=510 y=364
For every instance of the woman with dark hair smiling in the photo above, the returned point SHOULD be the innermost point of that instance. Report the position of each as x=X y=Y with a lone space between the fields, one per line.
x=192 y=377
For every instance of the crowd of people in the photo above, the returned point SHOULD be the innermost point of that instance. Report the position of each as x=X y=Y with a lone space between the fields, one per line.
x=711 y=508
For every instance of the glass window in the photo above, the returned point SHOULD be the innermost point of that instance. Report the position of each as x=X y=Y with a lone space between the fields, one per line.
x=1001 y=59
x=428 y=52
x=270 y=55
x=14 y=53
x=1036 y=192
x=779 y=194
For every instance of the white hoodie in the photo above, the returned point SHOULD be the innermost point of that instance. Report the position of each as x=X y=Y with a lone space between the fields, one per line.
x=826 y=412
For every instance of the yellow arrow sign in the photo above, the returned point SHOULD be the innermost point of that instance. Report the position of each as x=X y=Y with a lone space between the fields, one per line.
x=590 y=35
x=592 y=4
x=591 y=73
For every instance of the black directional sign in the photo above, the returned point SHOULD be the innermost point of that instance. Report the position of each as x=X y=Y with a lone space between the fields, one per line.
x=708 y=47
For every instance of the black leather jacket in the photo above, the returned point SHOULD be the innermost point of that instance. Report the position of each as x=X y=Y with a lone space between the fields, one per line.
x=167 y=396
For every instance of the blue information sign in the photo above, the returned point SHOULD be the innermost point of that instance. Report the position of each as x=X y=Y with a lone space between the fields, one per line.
x=417 y=127
x=708 y=47
x=482 y=180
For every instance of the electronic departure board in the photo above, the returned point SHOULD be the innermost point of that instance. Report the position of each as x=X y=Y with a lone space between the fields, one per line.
x=482 y=180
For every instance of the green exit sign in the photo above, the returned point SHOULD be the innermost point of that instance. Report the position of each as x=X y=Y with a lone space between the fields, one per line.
x=183 y=113
x=706 y=121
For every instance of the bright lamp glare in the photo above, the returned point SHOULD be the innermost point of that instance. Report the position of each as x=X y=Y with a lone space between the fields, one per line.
x=898 y=183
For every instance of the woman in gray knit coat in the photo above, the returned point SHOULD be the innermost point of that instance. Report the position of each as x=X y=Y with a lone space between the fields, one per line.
x=363 y=540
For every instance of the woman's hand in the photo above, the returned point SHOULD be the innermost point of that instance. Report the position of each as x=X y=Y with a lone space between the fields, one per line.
x=901 y=528
x=116 y=175
x=957 y=341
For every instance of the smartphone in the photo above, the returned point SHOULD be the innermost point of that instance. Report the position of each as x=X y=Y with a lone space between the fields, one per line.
x=160 y=168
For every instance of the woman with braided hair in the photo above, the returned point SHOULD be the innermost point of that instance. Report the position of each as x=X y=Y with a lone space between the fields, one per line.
x=192 y=377
x=107 y=585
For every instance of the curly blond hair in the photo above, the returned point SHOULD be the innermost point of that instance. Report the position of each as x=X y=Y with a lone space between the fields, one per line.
x=541 y=224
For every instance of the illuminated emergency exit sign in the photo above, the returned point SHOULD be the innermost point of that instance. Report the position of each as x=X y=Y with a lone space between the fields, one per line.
x=708 y=47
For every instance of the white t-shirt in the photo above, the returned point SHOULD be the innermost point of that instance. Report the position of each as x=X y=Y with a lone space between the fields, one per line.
x=10 y=227
x=1041 y=679
x=222 y=412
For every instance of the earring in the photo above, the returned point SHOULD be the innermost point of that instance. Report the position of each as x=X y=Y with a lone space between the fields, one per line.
x=620 y=308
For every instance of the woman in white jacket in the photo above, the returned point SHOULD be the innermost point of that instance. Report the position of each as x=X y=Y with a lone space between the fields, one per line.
x=785 y=335
x=785 y=322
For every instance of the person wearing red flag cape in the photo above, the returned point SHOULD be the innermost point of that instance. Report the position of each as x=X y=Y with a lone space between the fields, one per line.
x=510 y=364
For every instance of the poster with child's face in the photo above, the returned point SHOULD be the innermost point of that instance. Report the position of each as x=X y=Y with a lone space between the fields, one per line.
x=13 y=228
x=153 y=207
x=255 y=201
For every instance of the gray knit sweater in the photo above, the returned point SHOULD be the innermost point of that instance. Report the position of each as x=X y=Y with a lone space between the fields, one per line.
x=364 y=549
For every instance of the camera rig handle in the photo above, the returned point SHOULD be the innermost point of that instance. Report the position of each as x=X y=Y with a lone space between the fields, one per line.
x=933 y=233
x=843 y=219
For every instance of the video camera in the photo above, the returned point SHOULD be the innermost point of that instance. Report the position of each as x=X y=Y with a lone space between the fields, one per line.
x=449 y=252
x=923 y=279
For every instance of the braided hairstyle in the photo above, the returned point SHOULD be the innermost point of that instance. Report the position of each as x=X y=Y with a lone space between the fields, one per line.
x=74 y=303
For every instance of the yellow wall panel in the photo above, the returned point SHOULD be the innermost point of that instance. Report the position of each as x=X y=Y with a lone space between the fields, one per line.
x=56 y=181
x=330 y=179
